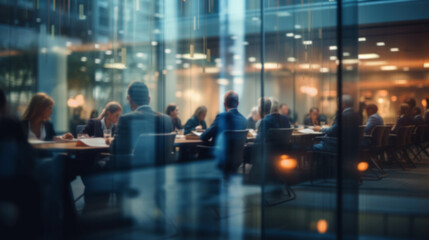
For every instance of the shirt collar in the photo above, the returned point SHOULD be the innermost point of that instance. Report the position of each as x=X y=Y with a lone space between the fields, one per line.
x=104 y=126
x=142 y=108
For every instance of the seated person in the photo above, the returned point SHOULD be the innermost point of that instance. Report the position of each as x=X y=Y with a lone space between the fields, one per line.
x=253 y=118
x=231 y=119
x=35 y=119
x=263 y=110
x=351 y=119
x=272 y=120
x=374 y=119
x=106 y=121
x=312 y=118
x=417 y=116
x=142 y=120
x=404 y=117
x=285 y=110
x=172 y=110
x=196 y=122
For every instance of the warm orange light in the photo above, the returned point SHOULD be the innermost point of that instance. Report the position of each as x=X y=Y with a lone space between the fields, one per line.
x=424 y=103
x=362 y=166
x=322 y=226
x=287 y=163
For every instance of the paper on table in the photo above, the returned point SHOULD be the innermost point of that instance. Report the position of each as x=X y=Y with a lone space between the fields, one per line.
x=308 y=131
x=37 y=141
x=197 y=133
x=93 y=142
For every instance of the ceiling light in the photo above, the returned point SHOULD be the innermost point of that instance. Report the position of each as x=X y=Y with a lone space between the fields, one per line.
x=375 y=63
x=346 y=54
x=154 y=43
x=324 y=70
x=401 y=82
x=350 y=61
x=119 y=66
x=267 y=65
x=222 y=81
x=388 y=68
x=83 y=59
x=297 y=26
x=380 y=44
x=333 y=58
x=308 y=42
x=394 y=49
x=167 y=50
x=332 y=48
x=368 y=56
x=252 y=59
x=291 y=59
x=362 y=39
x=297 y=36
x=289 y=34
x=97 y=61
x=245 y=43
x=426 y=65
x=108 y=52
x=196 y=56
x=97 y=46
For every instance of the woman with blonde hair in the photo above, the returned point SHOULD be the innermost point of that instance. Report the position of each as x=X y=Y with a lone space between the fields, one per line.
x=196 y=122
x=107 y=120
x=36 y=119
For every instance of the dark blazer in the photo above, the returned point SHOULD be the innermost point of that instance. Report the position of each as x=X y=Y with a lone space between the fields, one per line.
x=131 y=125
x=230 y=120
x=251 y=123
x=273 y=120
x=418 y=119
x=351 y=121
x=49 y=129
x=403 y=121
x=94 y=128
x=192 y=123
x=309 y=122
x=177 y=123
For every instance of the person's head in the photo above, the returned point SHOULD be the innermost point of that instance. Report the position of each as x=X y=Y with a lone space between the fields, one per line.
x=2 y=103
x=347 y=101
x=264 y=106
x=200 y=113
x=111 y=112
x=404 y=109
x=137 y=95
x=284 y=109
x=411 y=102
x=274 y=106
x=314 y=113
x=40 y=108
x=230 y=100
x=172 y=110
x=371 y=109
x=254 y=114
x=417 y=111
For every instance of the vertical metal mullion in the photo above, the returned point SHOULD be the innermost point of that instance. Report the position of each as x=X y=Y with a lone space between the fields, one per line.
x=339 y=196
x=263 y=156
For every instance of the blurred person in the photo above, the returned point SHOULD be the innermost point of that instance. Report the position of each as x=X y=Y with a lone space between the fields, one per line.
x=76 y=120
x=107 y=120
x=374 y=119
x=264 y=108
x=350 y=125
x=253 y=118
x=142 y=120
x=426 y=118
x=404 y=117
x=285 y=110
x=94 y=114
x=312 y=118
x=36 y=118
x=272 y=120
x=417 y=116
x=231 y=119
x=172 y=110
x=196 y=122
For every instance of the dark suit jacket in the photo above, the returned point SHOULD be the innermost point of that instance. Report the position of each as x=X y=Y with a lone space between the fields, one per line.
x=49 y=129
x=309 y=122
x=131 y=125
x=192 y=123
x=94 y=128
x=177 y=123
x=273 y=120
x=251 y=123
x=403 y=121
x=230 y=120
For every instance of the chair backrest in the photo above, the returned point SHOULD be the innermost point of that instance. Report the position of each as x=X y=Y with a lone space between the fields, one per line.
x=420 y=132
x=380 y=133
x=79 y=128
x=279 y=135
x=229 y=149
x=153 y=149
x=404 y=135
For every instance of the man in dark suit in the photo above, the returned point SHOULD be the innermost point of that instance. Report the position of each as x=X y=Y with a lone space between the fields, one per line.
x=142 y=120
x=350 y=132
x=231 y=119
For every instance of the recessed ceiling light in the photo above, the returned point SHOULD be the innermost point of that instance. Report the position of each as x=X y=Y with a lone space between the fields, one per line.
x=362 y=39
x=350 y=61
x=297 y=26
x=375 y=63
x=401 y=82
x=346 y=54
x=333 y=58
x=252 y=59
x=83 y=59
x=426 y=65
x=297 y=36
x=324 y=70
x=332 y=48
x=289 y=34
x=291 y=59
x=380 y=44
x=394 y=49
x=368 y=56
x=307 y=42
x=388 y=68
